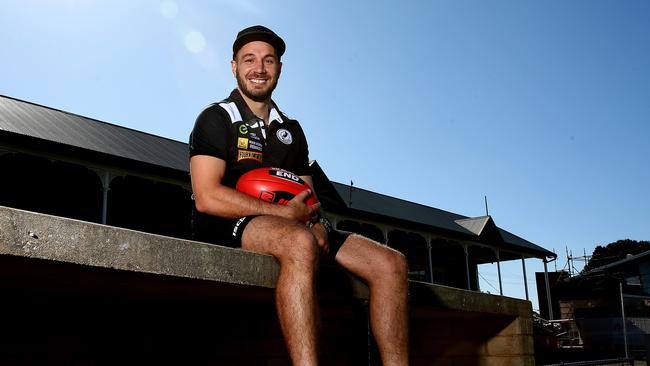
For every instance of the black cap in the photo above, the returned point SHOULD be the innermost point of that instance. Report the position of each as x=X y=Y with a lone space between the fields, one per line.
x=258 y=33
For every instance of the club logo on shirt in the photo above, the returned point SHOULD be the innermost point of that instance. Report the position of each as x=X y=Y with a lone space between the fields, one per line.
x=249 y=155
x=242 y=143
x=284 y=136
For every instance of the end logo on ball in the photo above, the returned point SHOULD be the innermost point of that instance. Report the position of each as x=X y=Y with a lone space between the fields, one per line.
x=273 y=185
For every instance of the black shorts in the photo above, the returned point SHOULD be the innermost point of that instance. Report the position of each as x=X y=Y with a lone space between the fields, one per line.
x=335 y=239
x=229 y=232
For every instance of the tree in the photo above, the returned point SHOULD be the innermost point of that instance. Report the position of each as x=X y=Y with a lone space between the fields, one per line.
x=615 y=251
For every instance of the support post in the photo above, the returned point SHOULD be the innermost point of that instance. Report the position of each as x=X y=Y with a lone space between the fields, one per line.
x=106 y=181
x=548 y=291
x=430 y=251
x=499 y=272
x=523 y=265
x=466 y=249
x=620 y=287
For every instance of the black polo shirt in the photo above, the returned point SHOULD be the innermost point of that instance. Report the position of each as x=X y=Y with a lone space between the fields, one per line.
x=229 y=131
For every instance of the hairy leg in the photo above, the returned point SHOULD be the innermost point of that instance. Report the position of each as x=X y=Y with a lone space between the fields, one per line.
x=385 y=271
x=296 y=250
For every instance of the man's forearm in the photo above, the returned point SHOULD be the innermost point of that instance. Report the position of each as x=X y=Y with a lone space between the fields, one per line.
x=227 y=202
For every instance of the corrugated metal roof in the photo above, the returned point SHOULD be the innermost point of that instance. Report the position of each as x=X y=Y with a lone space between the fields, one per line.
x=50 y=124
x=510 y=238
x=380 y=204
x=66 y=128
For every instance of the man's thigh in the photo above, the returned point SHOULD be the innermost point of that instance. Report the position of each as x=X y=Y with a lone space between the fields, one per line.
x=271 y=234
x=365 y=257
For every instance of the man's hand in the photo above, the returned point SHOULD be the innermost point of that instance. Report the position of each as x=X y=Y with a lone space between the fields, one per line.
x=321 y=235
x=298 y=210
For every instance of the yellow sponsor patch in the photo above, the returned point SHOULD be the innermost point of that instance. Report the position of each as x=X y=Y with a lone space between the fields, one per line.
x=242 y=143
x=252 y=155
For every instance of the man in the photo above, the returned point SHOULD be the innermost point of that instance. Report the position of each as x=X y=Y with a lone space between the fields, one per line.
x=247 y=131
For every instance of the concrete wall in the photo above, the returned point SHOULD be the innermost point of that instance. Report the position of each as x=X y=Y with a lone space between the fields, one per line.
x=77 y=293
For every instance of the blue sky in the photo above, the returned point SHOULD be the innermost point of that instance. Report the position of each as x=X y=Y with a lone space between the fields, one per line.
x=543 y=107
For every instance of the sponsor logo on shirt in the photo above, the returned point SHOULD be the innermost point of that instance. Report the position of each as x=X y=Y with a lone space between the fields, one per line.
x=243 y=129
x=254 y=145
x=249 y=155
x=242 y=143
x=284 y=136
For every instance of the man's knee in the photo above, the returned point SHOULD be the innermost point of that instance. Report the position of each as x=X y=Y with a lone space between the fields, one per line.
x=393 y=264
x=287 y=241
x=398 y=264
x=301 y=247
x=384 y=264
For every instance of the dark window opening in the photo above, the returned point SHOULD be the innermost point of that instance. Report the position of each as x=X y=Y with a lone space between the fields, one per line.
x=57 y=188
x=154 y=207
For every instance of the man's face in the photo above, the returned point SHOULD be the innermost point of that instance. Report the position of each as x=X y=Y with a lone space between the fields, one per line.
x=257 y=70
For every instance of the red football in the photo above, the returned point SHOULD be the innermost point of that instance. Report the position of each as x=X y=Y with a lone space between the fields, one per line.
x=273 y=185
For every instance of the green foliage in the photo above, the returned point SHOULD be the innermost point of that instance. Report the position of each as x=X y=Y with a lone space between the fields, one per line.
x=615 y=251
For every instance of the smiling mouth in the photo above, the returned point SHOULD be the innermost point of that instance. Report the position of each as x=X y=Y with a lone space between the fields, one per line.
x=258 y=81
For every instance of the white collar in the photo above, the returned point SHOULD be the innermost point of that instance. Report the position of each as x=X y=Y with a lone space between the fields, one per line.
x=274 y=115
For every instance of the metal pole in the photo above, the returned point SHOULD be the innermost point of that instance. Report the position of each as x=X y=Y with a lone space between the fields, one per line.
x=499 y=272
x=548 y=291
x=620 y=287
x=487 y=213
x=429 y=246
x=467 y=265
x=523 y=265
x=351 y=188
x=106 y=182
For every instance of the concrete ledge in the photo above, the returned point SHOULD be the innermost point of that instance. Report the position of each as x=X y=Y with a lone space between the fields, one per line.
x=454 y=299
x=91 y=284
x=33 y=235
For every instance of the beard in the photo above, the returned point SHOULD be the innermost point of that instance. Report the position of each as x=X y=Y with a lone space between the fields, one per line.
x=256 y=95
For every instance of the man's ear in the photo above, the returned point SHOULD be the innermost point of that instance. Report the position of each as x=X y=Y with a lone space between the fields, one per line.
x=233 y=66
x=279 y=69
